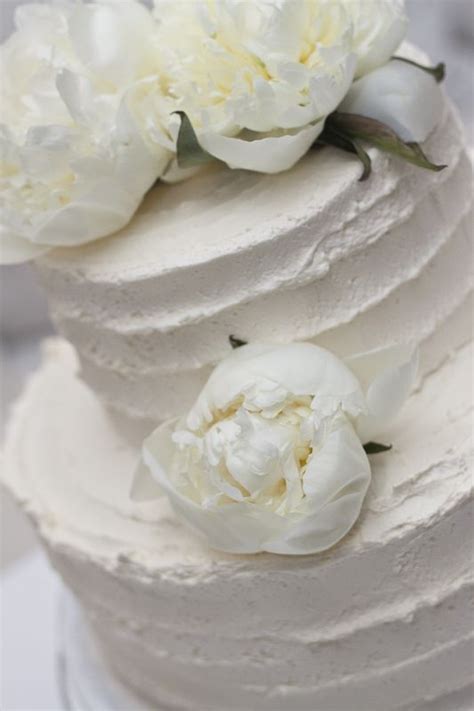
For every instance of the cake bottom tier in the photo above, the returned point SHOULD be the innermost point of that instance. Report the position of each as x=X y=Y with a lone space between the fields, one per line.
x=89 y=685
x=381 y=621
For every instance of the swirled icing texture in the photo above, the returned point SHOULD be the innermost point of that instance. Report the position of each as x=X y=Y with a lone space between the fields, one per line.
x=381 y=621
x=311 y=254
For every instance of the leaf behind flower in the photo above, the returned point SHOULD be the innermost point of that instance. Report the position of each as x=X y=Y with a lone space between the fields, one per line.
x=354 y=127
x=189 y=152
x=376 y=447
x=236 y=342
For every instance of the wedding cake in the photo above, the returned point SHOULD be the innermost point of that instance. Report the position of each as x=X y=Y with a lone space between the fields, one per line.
x=186 y=602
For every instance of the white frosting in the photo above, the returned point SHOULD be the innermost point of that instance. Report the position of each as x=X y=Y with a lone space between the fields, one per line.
x=308 y=254
x=380 y=620
x=377 y=622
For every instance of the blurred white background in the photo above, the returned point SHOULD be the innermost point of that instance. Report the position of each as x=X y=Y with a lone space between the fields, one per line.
x=444 y=28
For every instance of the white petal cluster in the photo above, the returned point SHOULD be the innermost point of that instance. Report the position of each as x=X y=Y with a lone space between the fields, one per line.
x=270 y=458
x=379 y=28
x=75 y=160
x=257 y=79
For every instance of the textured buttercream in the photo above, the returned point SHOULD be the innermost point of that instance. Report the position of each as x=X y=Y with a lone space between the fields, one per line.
x=377 y=622
x=311 y=254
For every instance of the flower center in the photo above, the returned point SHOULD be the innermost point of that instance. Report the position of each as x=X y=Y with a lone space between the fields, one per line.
x=262 y=455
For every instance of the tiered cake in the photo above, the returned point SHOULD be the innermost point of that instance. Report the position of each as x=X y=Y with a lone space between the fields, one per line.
x=377 y=622
x=303 y=242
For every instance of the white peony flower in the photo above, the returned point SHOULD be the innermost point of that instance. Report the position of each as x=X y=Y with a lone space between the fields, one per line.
x=400 y=95
x=270 y=457
x=379 y=28
x=89 y=91
x=257 y=79
x=75 y=160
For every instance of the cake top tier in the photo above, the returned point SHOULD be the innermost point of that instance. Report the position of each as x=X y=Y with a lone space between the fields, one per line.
x=309 y=253
x=220 y=212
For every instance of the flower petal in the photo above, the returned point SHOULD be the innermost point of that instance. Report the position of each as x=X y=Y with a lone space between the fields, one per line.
x=271 y=154
x=78 y=95
x=387 y=376
x=335 y=484
x=297 y=368
x=400 y=95
x=379 y=28
x=106 y=207
x=233 y=528
x=111 y=38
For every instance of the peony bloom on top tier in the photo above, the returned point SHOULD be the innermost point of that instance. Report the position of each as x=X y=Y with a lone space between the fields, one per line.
x=257 y=79
x=76 y=158
x=102 y=99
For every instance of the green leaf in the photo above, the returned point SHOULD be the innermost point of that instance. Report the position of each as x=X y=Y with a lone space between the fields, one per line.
x=365 y=159
x=376 y=447
x=188 y=151
x=330 y=137
x=354 y=126
x=236 y=342
x=438 y=72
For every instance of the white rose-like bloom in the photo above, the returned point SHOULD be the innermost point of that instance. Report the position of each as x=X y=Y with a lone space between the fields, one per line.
x=257 y=79
x=74 y=163
x=270 y=457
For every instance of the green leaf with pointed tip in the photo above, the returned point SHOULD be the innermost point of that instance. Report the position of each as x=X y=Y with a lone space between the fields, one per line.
x=188 y=151
x=354 y=126
x=438 y=72
x=236 y=342
x=376 y=447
